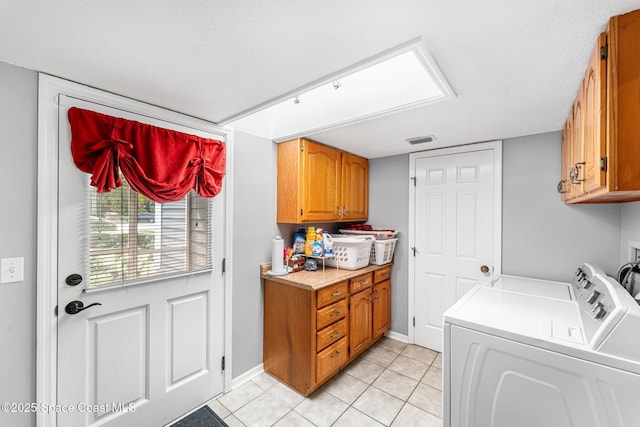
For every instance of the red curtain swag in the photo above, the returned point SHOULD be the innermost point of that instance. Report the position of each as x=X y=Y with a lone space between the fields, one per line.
x=161 y=164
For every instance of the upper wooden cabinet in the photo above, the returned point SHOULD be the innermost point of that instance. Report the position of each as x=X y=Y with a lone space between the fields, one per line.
x=318 y=183
x=600 y=141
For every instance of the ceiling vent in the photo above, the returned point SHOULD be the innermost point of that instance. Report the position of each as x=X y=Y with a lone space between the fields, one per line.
x=421 y=140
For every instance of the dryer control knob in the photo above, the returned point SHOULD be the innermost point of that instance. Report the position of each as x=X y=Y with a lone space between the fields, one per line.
x=593 y=297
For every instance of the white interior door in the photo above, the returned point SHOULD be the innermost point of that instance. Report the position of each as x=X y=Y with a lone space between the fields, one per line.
x=454 y=232
x=152 y=350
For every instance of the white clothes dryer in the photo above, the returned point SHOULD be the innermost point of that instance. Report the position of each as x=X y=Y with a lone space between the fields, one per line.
x=522 y=352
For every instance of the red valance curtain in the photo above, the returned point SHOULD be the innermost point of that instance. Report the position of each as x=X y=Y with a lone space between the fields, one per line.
x=162 y=164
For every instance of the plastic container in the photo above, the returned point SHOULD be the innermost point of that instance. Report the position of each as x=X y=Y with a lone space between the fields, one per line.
x=328 y=244
x=310 y=240
x=350 y=253
x=318 y=246
x=299 y=240
x=382 y=251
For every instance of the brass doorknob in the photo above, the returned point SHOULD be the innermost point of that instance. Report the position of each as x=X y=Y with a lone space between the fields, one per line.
x=484 y=269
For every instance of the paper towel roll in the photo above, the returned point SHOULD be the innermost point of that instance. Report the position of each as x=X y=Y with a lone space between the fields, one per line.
x=277 y=255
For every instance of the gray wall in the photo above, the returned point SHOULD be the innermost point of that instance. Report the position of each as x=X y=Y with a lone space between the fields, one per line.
x=630 y=229
x=18 y=186
x=254 y=225
x=388 y=202
x=541 y=236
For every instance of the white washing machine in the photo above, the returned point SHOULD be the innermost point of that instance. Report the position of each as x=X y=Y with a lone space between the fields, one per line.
x=521 y=352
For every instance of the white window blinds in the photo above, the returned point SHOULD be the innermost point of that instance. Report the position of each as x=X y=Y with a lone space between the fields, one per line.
x=133 y=239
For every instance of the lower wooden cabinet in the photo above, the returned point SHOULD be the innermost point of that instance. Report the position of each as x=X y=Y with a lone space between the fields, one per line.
x=309 y=335
x=360 y=330
x=381 y=308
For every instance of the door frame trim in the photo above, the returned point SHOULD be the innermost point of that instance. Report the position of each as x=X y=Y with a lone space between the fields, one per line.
x=496 y=146
x=49 y=88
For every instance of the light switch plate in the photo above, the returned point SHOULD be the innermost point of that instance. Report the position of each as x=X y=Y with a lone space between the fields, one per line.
x=11 y=270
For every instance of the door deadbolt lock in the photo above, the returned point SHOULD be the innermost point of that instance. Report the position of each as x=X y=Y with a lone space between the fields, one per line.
x=73 y=280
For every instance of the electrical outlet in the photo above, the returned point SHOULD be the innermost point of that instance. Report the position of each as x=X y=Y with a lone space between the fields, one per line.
x=11 y=270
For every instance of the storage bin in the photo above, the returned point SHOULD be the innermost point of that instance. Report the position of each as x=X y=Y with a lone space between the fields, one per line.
x=382 y=251
x=350 y=253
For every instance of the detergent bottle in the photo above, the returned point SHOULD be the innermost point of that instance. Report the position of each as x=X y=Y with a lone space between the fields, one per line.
x=299 y=240
x=318 y=245
x=311 y=239
x=328 y=244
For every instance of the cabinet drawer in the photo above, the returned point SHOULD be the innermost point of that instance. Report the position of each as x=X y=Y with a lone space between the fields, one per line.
x=331 y=359
x=331 y=294
x=328 y=315
x=381 y=274
x=361 y=282
x=331 y=334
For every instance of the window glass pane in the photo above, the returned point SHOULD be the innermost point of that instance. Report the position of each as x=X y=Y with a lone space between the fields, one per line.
x=133 y=238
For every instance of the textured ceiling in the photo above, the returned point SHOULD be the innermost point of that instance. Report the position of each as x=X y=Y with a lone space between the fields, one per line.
x=515 y=66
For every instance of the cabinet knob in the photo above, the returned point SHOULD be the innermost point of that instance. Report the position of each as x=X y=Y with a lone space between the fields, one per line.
x=484 y=269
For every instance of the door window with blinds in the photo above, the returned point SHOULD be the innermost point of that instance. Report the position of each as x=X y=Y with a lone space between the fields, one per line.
x=133 y=239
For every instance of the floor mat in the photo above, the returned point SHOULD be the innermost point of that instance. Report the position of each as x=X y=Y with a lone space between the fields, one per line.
x=203 y=417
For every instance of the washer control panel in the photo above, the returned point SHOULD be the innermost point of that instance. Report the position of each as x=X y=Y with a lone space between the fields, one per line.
x=604 y=306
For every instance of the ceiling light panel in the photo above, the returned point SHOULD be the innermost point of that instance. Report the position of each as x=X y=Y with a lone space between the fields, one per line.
x=398 y=82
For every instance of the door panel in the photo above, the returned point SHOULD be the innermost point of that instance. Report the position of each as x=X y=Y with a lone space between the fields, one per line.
x=187 y=337
x=118 y=348
x=453 y=234
x=151 y=351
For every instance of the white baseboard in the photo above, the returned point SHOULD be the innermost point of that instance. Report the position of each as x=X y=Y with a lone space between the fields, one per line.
x=247 y=376
x=396 y=336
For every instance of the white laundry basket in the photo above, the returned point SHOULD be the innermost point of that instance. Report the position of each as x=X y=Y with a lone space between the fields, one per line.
x=382 y=251
x=350 y=253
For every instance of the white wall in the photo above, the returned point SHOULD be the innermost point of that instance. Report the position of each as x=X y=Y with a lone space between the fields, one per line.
x=18 y=189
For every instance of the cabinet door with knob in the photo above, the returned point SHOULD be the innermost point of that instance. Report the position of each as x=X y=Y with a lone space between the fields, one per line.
x=360 y=316
x=381 y=308
x=355 y=188
x=600 y=140
x=318 y=183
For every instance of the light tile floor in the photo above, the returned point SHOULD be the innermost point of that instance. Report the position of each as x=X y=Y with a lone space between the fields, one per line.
x=391 y=384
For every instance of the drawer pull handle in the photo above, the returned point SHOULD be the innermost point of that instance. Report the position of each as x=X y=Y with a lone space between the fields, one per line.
x=335 y=334
x=336 y=294
x=336 y=354
x=335 y=313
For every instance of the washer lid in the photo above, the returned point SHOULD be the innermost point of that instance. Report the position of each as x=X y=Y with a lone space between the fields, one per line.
x=542 y=288
x=512 y=314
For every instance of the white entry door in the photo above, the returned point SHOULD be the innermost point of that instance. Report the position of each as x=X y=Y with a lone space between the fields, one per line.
x=454 y=233
x=152 y=350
